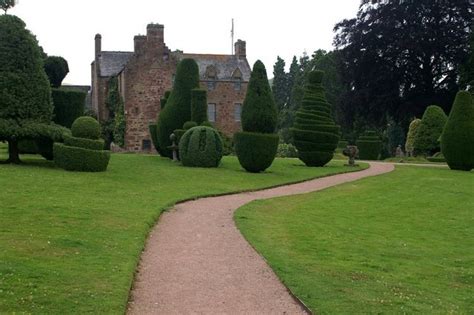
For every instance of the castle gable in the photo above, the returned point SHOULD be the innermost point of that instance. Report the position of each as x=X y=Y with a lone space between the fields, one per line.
x=225 y=66
x=112 y=62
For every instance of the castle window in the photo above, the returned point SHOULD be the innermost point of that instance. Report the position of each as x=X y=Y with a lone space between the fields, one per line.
x=237 y=111
x=211 y=73
x=237 y=86
x=211 y=112
x=146 y=145
x=211 y=85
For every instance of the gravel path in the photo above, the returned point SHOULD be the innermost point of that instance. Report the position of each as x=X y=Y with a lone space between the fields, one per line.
x=197 y=262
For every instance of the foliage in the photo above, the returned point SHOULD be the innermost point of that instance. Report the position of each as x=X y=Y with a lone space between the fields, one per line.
x=457 y=140
x=86 y=127
x=395 y=136
x=68 y=105
x=189 y=124
x=391 y=244
x=56 y=69
x=467 y=70
x=198 y=106
x=286 y=151
x=201 y=147
x=369 y=145
x=178 y=106
x=412 y=131
x=227 y=144
x=164 y=99
x=154 y=137
x=315 y=134
x=113 y=128
x=84 y=143
x=431 y=127
x=207 y=124
x=390 y=63
x=280 y=84
x=256 y=151
x=7 y=4
x=258 y=111
x=25 y=94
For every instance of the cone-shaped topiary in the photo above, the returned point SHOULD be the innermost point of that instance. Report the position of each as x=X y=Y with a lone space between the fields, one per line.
x=200 y=147
x=257 y=145
x=178 y=106
x=457 y=141
x=198 y=106
x=431 y=127
x=369 y=145
x=84 y=151
x=412 y=131
x=315 y=134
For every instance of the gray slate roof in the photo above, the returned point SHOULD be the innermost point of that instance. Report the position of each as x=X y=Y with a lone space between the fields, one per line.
x=112 y=62
x=225 y=65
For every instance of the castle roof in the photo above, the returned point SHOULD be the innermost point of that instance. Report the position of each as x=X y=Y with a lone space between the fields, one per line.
x=112 y=62
x=225 y=66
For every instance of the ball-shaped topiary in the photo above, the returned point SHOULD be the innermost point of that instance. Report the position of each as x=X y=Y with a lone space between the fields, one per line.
x=86 y=127
x=314 y=131
x=178 y=106
x=412 y=131
x=369 y=145
x=428 y=134
x=200 y=147
x=457 y=141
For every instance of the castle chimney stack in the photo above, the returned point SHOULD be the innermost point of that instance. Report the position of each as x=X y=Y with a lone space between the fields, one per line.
x=139 y=43
x=240 y=49
x=98 y=45
x=155 y=33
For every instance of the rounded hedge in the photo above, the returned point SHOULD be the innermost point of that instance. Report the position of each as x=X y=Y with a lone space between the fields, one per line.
x=79 y=159
x=429 y=131
x=314 y=131
x=256 y=151
x=457 y=140
x=189 y=124
x=369 y=145
x=86 y=127
x=201 y=147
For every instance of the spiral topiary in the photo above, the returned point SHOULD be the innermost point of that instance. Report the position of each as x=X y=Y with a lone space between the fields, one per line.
x=315 y=133
x=83 y=152
x=457 y=141
x=369 y=145
x=200 y=147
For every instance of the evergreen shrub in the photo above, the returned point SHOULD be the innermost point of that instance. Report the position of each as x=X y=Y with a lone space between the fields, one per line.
x=287 y=150
x=369 y=145
x=154 y=137
x=68 y=106
x=412 y=131
x=314 y=131
x=256 y=151
x=428 y=134
x=207 y=124
x=201 y=147
x=198 y=106
x=457 y=140
x=189 y=124
x=86 y=127
x=84 y=143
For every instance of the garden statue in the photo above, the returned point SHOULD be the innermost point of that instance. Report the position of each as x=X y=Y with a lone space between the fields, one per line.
x=399 y=152
x=174 y=147
x=352 y=152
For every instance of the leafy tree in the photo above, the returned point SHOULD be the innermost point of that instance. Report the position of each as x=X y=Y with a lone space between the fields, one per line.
x=412 y=131
x=25 y=95
x=280 y=87
x=457 y=141
x=467 y=71
x=399 y=57
x=56 y=68
x=7 y=4
x=430 y=130
x=113 y=129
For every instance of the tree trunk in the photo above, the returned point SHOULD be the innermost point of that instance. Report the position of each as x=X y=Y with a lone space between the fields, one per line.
x=13 y=152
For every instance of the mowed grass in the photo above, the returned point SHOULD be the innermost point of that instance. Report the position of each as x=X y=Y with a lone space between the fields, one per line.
x=70 y=242
x=397 y=243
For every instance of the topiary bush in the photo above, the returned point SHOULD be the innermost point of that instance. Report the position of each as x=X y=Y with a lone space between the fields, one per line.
x=256 y=151
x=207 y=124
x=56 y=69
x=369 y=145
x=412 y=131
x=201 y=147
x=68 y=106
x=199 y=106
x=457 y=140
x=428 y=134
x=178 y=106
x=257 y=145
x=189 y=124
x=314 y=131
x=83 y=152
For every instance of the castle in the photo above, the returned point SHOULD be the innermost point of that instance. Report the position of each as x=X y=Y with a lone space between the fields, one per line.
x=145 y=74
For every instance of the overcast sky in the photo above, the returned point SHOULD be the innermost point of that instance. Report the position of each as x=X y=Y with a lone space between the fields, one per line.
x=67 y=27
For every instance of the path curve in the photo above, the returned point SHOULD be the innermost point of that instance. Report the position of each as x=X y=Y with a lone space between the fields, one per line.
x=196 y=261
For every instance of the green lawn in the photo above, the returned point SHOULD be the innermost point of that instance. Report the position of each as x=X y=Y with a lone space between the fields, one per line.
x=70 y=242
x=398 y=243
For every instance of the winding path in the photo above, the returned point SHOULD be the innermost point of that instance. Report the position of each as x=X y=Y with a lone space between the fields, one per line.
x=196 y=261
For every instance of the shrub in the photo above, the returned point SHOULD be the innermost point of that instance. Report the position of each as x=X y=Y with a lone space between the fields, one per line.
x=201 y=147
x=164 y=99
x=154 y=137
x=178 y=106
x=227 y=144
x=429 y=131
x=457 y=141
x=369 y=145
x=437 y=157
x=56 y=69
x=412 y=131
x=207 y=124
x=68 y=106
x=286 y=150
x=256 y=151
x=315 y=134
x=198 y=106
x=179 y=133
x=84 y=143
x=189 y=124
x=86 y=127
x=342 y=144
x=80 y=159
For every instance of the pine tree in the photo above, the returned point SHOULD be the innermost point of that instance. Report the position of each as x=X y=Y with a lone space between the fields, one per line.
x=279 y=87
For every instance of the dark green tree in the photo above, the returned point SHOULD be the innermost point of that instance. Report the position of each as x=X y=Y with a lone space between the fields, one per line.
x=314 y=131
x=428 y=134
x=178 y=106
x=467 y=70
x=7 y=4
x=280 y=84
x=198 y=106
x=457 y=141
x=56 y=69
x=113 y=129
x=25 y=95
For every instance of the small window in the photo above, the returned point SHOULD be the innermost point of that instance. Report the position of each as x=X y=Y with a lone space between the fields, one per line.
x=211 y=112
x=237 y=86
x=237 y=111
x=211 y=85
x=146 y=145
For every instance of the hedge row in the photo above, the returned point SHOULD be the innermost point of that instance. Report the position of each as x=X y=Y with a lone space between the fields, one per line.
x=85 y=143
x=80 y=159
x=68 y=106
x=369 y=145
